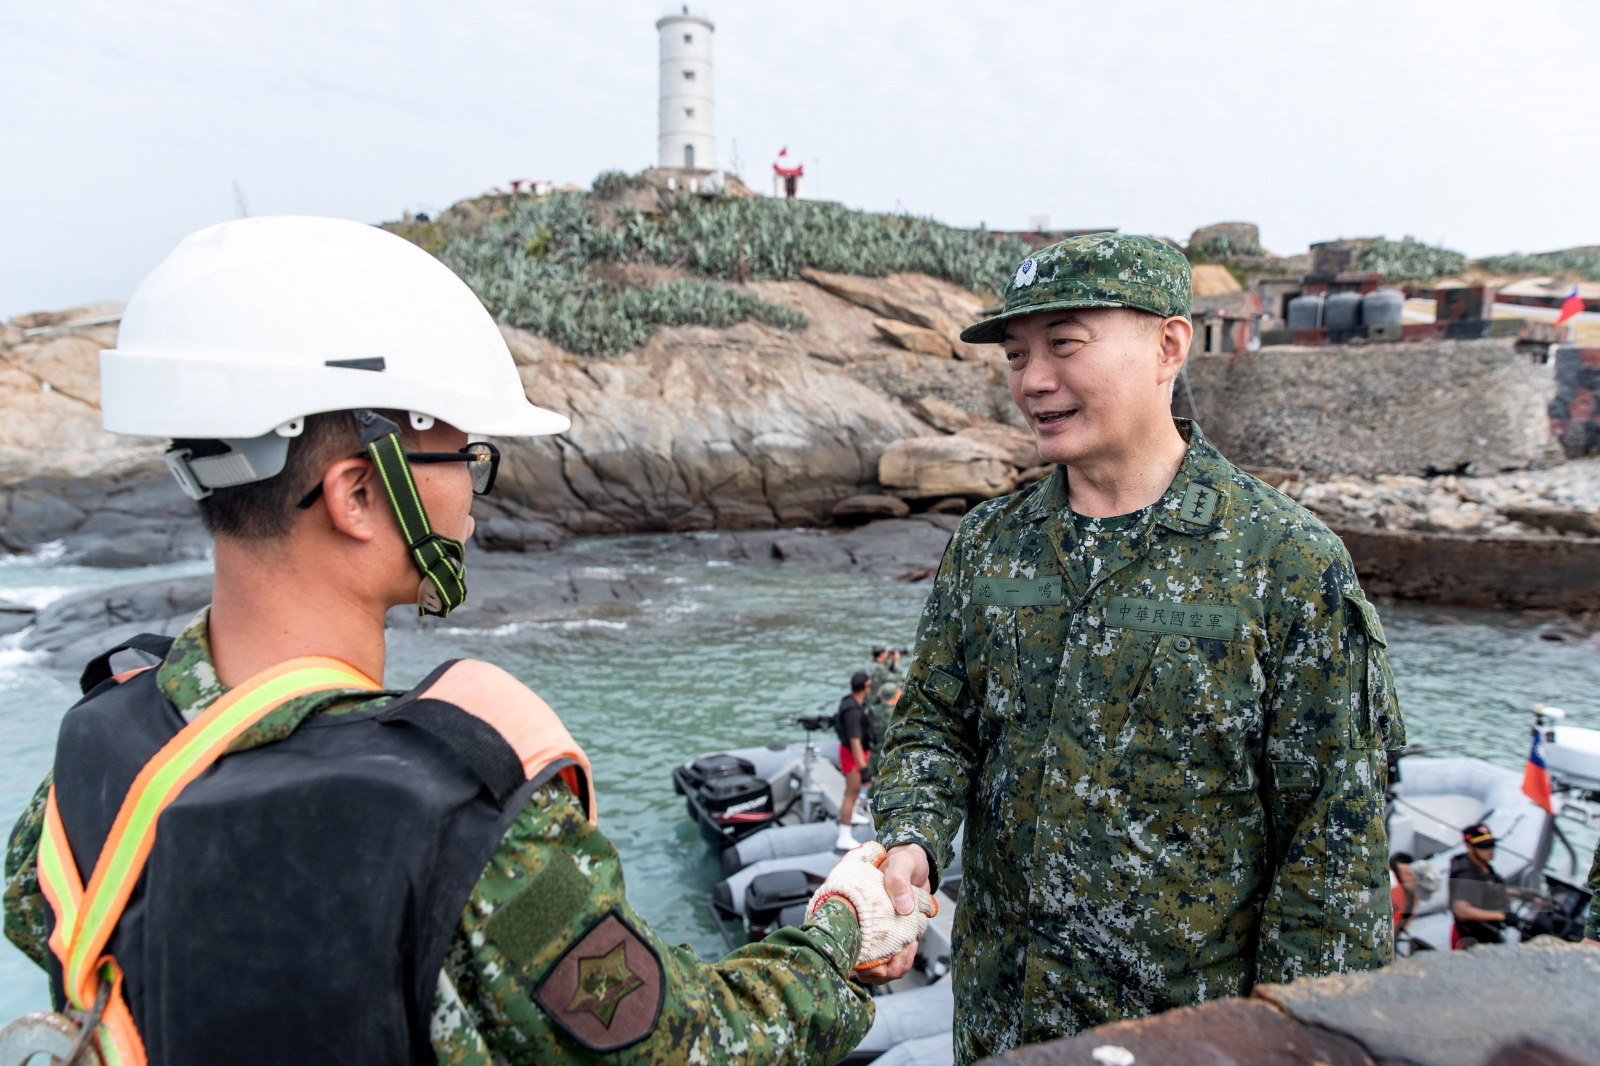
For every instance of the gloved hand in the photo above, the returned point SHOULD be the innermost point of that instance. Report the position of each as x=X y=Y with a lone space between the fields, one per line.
x=884 y=932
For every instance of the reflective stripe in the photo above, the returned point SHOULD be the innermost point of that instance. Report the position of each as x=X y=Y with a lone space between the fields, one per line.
x=85 y=919
x=58 y=876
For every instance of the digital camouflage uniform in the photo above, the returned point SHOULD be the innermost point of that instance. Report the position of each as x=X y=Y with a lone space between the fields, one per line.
x=1592 y=928
x=879 y=711
x=1171 y=767
x=553 y=886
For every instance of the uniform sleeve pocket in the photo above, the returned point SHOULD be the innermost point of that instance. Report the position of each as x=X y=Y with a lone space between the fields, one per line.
x=1377 y=708
x=944 y=688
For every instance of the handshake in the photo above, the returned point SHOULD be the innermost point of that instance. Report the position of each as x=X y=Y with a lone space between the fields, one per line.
x=886 y=934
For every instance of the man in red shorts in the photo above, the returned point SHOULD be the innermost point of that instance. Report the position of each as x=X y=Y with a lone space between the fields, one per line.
x=856 y=742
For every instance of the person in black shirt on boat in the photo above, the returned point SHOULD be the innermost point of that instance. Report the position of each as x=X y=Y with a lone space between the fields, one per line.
x=854 y=727
x=1478 y=896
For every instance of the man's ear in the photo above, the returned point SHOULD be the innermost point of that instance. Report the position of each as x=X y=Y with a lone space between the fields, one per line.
x=1174 y=339
x=350 y=495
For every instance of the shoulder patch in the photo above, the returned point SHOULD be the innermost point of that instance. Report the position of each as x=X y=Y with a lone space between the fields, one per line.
x=606 y=991
x=535 y=917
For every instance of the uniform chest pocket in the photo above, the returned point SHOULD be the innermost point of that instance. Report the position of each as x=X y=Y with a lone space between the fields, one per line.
x=1193 y=724
x=992 y=663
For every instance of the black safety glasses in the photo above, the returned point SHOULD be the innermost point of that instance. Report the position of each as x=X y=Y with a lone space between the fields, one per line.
x=481 y=457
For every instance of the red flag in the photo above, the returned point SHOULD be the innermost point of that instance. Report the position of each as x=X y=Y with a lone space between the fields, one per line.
x=1571 y=306
x=1535 y=778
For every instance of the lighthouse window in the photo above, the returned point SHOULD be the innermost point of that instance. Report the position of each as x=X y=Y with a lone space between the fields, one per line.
x=688 y=75
x=688 y=38
x=688 y=156
x=688 y=112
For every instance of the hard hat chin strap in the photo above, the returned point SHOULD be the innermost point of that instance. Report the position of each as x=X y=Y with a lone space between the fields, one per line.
x=440 y=560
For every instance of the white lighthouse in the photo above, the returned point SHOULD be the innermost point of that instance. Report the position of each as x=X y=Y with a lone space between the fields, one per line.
x=688 y=136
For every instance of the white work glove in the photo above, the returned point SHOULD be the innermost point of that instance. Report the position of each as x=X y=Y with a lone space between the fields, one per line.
x=884 y=931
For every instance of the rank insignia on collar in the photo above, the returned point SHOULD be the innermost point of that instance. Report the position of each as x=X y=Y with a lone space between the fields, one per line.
x=605 y=991
x=1199 y=504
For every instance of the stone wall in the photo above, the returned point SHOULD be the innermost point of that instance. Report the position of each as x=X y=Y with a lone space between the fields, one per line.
x=1368 y=409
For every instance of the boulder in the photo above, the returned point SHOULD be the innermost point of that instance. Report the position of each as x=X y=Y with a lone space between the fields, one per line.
x=941 y=414
x=74 y=627
x=50 y=409
x=1554 y=517
x=866 y=507
x=935 y=467
x=1021 y=450
x=915 y=299
x=913 y=338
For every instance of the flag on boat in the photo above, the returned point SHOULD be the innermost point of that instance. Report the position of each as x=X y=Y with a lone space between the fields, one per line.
x=1536 y=779
x=1571 y=306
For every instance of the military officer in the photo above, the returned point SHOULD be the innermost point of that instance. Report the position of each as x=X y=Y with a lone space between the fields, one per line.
x=345 y=873
x=1150 y=684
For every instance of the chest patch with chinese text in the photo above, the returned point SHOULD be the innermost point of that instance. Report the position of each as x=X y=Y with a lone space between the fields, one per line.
x=1016 y=591
x=1170 y=616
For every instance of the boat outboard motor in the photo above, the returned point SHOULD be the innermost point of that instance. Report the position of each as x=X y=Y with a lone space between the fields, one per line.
x=777 y=899
x=727 y=789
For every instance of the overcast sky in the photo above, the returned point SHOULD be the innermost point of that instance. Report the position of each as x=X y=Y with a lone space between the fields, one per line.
x=124 y=125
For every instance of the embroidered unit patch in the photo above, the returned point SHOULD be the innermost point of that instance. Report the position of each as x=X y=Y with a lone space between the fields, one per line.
x=605 y=992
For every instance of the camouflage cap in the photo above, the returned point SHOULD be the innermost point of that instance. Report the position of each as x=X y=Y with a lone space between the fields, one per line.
x=1096 y=270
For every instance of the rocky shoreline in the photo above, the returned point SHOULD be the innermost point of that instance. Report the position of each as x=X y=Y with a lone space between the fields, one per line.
x=857 y=441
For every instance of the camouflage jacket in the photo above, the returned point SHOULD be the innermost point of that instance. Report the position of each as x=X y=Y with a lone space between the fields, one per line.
x=1591 y=929
x=1172 y=779
x=546 y=910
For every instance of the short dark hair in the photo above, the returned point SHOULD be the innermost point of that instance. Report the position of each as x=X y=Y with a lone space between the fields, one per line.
x=859 y=680
x=264 y=510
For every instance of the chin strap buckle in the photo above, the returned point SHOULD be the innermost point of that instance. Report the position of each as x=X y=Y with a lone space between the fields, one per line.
x=177 y=460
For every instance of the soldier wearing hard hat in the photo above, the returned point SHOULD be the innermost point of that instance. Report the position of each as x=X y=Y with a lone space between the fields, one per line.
x=252 y=852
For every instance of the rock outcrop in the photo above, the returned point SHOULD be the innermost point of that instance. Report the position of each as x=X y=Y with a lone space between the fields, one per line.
x=747 y=426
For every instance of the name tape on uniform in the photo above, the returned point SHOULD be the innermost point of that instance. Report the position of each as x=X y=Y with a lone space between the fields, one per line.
x=1016 y=591
x=1188 y=619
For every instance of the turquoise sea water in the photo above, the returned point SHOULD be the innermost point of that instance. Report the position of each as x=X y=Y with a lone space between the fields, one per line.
x=726 y=653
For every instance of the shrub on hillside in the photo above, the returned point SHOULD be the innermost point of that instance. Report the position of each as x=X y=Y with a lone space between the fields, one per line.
x=1409 y=259
x=1584 y=262
x=532 y=264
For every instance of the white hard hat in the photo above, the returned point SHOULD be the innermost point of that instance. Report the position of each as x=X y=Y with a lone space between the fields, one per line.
x=250 y=325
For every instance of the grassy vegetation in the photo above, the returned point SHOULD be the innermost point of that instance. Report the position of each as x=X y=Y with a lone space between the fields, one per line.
x=535 y=262
x=1408 y=259
x=1584 y=262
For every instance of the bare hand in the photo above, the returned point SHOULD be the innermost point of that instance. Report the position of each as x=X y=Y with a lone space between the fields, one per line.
x=907 y=865
x=892 y=970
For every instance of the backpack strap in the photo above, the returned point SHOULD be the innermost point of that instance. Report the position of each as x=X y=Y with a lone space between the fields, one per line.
x=98 y=670
x=500 y=727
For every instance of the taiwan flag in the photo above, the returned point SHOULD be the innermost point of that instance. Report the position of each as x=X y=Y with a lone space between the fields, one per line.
x=1571 y=306
x=1535 y=779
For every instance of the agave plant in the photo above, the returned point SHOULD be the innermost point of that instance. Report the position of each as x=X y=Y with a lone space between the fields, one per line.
x=532 y=263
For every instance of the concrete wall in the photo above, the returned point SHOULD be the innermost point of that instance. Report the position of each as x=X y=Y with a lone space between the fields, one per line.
x=1369 y=409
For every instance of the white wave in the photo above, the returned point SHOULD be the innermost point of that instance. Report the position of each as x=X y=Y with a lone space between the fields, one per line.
x=717 y=563
x=36 y=596
x=43 y=555
x=589 y=623
x=16 y=662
